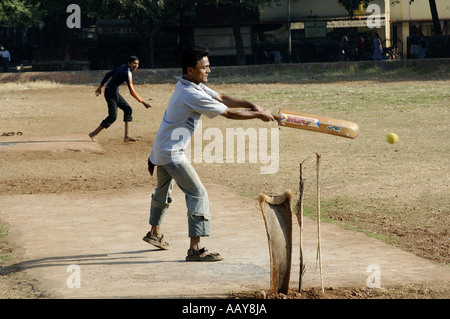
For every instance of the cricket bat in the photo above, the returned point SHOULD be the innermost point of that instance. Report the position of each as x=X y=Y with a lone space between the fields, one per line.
x=317 y=123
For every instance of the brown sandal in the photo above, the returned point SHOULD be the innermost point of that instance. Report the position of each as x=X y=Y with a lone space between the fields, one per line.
x=157 y=241
x=202 y=255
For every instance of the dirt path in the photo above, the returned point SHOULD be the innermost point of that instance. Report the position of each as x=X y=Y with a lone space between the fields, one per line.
x=100 y=232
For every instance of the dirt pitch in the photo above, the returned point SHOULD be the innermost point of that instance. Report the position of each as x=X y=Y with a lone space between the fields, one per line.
x=66 y=200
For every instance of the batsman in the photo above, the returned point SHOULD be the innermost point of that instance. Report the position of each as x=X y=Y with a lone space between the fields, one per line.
x=191 y=99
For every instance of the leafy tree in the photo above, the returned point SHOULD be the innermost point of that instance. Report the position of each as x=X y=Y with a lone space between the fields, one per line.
x=352 y=5
x=143 y=14
x=19 y=12
x=54 y=34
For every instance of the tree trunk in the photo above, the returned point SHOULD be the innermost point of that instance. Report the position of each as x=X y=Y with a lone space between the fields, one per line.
x=147 y=35
x=435 y=16
x=149 y=50
x=240 y=52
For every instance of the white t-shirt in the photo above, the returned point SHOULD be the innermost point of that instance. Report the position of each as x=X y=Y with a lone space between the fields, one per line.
x=189 y=101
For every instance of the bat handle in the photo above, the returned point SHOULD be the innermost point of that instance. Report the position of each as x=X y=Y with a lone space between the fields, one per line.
x=276 y=116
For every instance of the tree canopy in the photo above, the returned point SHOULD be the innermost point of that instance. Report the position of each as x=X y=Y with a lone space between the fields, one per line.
x=20 y=12
x=351 y=5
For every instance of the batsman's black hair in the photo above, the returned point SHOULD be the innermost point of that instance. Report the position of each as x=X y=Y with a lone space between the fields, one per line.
x=132 y=58
x=191 y=56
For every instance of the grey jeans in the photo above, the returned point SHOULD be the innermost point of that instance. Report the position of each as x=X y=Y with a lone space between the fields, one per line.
x=197 y=202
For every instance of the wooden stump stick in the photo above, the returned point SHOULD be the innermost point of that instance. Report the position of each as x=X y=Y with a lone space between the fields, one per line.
x=319 y=248
x=300 y=223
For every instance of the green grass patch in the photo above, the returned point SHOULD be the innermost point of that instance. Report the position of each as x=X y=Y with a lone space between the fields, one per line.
x=3 y=233
x=6 y=258
x=305 y=73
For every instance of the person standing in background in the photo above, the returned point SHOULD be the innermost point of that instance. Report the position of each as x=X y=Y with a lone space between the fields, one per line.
x=6 y=58
x=377 y=48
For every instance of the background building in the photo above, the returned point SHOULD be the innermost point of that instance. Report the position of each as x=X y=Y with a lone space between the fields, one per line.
x=324 y=22
x=296 y=31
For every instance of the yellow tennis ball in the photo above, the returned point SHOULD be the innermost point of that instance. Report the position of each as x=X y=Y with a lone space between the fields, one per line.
x=392 y=138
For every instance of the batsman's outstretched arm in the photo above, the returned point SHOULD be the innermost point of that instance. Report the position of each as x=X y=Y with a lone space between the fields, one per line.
x=239 y=114
x=233 y=102
x=243 y=110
